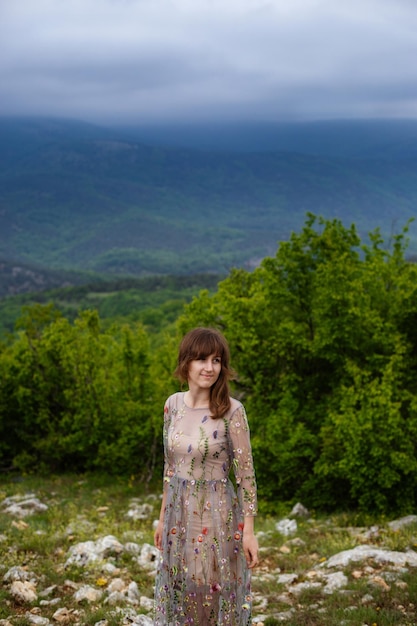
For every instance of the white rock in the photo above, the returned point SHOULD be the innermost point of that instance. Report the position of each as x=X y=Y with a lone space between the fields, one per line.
x=63 y=615
x=146 y=603
x=18 y=573
x=117 y=584
x=335 y=581
x=133 y=593
x=82 y=554
x=47 y=592
x=86 y=592
x=148 y=557
x=141 y=620
x=108 y=545
x=50 y=602
x=36 y=619
x=139 y=511
x=363 y=552
x=26 y=507
x=23 y=591
x=115 y=598
x=109 y=568
x=299 y=510
x=286 y=527
x=87 y=552
x=403 y=521
x=305 y=586
x=132 y=548
x=286 y=579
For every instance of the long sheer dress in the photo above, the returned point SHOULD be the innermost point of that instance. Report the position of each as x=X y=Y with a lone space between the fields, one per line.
x=202 y=577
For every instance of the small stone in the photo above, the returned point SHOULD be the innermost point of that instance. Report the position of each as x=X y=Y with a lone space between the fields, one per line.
x=23 y=592
x=25 y=506
x=286 y=527
x=115 y=598
x=64 y=616
x=367 y=599
x=47 y=592
x=139 y=511
x=148 y=557
x=146 y=603
x=401 y=584
x=37 y=620
x=299 y=543
x=335 y=581
x=286 y=579
x=20 y=525
x=380 y=582
x=397 y=524
x=18 y=573
x=133 y=593
x=88 y=593
x=50 y=602
x=299 y=510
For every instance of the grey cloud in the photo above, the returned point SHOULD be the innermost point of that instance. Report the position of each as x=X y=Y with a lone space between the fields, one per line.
x=181 y=58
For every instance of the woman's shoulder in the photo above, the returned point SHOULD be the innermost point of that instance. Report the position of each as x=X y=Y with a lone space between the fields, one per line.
x=235 y=405
x=175 y=400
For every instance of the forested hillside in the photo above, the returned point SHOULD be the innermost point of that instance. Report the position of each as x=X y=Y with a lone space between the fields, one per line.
x=76 y=196
x=323 y=336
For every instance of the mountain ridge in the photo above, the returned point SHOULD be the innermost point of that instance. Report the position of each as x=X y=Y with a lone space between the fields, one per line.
x=83 y=197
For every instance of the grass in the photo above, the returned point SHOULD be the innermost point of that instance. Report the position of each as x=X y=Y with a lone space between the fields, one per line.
x=87 y=508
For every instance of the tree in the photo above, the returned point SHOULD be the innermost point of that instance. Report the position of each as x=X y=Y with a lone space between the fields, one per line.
x=321 y=339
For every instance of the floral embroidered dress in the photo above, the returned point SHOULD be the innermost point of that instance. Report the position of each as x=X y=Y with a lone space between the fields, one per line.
x=202 y=577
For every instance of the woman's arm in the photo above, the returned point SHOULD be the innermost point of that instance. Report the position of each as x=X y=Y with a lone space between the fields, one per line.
x=246 y=482
x=159 y=529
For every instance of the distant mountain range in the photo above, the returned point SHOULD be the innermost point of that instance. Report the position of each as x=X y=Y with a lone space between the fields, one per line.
x=181 y=200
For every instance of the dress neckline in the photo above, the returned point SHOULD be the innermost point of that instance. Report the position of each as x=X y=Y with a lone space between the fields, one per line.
x=200 y=408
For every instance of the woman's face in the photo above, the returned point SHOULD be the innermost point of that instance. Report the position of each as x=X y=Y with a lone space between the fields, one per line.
x=204 y=372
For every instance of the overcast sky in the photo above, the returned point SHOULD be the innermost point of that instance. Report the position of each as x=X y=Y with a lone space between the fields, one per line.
x=162 y=60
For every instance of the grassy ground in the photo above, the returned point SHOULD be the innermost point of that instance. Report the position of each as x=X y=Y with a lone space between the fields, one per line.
x=81 y=509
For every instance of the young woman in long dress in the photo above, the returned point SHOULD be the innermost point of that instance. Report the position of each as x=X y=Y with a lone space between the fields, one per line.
x=206 y=527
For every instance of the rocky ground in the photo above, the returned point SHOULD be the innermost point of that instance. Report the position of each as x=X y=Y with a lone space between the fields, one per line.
x=85 y=556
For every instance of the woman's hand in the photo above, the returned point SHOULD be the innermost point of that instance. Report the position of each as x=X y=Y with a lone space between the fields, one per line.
x=250 y=548
x=158 y=535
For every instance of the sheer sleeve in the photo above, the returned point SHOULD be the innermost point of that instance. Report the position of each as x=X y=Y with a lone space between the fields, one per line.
x=242 y=461
x=168 y=465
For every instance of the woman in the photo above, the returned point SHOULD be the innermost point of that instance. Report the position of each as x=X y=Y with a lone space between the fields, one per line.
x=205 y=530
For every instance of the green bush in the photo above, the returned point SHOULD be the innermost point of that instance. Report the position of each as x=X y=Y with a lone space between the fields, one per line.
x=323 y=336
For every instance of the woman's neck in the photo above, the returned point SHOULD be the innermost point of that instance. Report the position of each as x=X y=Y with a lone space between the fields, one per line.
x=197 y=399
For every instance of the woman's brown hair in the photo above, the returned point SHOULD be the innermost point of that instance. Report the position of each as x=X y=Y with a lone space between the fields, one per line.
x=200 y=343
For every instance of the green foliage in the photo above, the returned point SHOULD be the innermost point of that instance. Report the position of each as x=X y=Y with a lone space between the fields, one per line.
x=323 y=336
x=156 y=301
x=75 y=397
